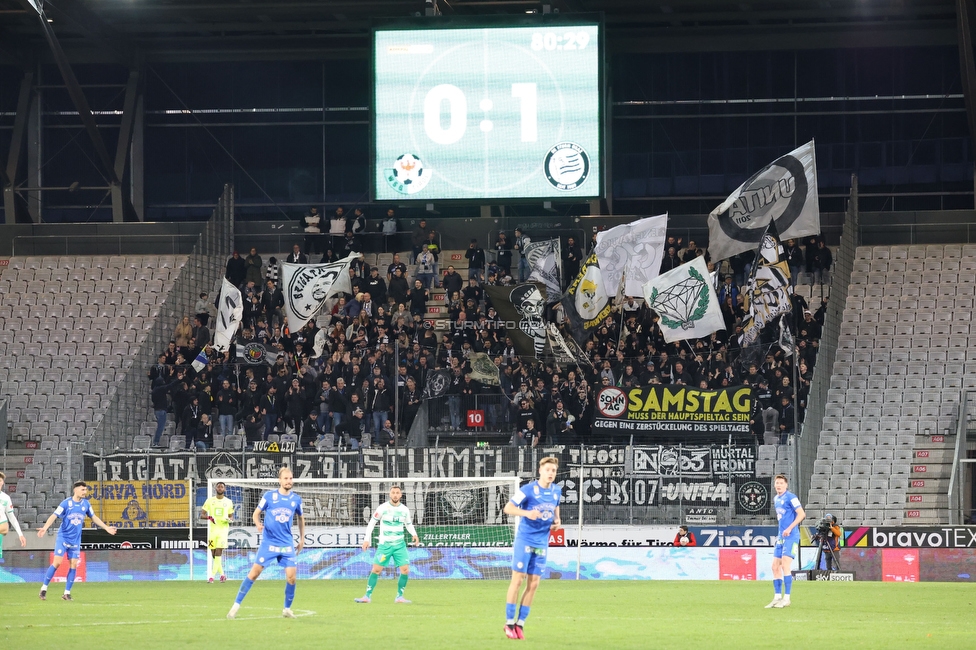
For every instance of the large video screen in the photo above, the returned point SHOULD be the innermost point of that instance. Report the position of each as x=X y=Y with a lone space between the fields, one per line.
x=487 y=113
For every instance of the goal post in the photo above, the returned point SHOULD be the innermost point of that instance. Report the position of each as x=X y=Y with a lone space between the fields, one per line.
x=447 y=512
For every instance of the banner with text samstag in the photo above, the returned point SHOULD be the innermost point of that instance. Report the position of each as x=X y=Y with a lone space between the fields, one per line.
x=675 y=411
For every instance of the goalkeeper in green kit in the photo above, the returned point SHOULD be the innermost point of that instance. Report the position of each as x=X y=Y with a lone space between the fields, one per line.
x=393 y=517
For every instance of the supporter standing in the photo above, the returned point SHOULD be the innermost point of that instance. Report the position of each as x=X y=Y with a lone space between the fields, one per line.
x=236 y=269
x=254 y=263
x=313 y=231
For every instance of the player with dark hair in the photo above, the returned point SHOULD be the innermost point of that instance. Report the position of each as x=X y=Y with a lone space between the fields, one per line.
x=279 y=507
x=392 y=516
x=72 y=513
x=219 y=511
x=537 y=503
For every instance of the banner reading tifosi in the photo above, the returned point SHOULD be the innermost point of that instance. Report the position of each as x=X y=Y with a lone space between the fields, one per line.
x=141 y=504
x=674 y=410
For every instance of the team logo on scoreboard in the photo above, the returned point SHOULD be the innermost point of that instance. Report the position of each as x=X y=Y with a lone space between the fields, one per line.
x=408 y=175
x=567 y=166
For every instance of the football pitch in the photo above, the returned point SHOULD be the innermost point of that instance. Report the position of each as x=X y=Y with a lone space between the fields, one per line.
x=469 y=614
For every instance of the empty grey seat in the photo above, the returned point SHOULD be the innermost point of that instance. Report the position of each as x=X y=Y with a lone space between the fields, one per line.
x=767 y=452
x=844 y=454
x=862 y=467
x=872 y=515
x=234 y=442
x=877 y=497
x=838 y=483
x=836 y=498
x=857 y=497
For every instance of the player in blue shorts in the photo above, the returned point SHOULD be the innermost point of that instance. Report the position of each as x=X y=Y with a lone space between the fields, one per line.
x=68 y=543
x=279 y=507
x=790 y=513
x=537 y=503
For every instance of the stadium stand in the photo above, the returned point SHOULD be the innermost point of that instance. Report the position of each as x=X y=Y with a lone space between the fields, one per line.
x=905 y=353
x=69 y=327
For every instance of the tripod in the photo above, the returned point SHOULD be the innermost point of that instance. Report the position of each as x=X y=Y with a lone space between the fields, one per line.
x=824 y=546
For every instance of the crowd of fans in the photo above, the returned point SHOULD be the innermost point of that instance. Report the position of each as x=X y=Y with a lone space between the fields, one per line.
x=366 y=385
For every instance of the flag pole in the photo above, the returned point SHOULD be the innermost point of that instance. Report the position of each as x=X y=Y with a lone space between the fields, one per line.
x=796 y=401
x=396 y=392
x=796 y=383
x=620 y=292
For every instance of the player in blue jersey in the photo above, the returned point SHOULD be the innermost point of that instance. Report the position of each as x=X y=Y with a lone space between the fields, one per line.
x=279 y=507
x=790 y=513
x=68 y=543
x=537 y=503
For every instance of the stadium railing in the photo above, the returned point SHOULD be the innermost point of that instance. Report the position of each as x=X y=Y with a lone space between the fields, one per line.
x=817 y=400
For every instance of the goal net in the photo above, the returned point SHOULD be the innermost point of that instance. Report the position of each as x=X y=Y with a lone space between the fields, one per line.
x=460 y=522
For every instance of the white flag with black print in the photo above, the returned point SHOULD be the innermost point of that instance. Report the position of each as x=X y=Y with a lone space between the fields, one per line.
x=767 y=290
x=306 y=287
x=546 y=265
x=633 y=251
x=685 y=301
x=230 y=311
x=783 y=192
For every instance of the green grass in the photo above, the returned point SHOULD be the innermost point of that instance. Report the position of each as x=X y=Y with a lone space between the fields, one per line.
x=469 y=614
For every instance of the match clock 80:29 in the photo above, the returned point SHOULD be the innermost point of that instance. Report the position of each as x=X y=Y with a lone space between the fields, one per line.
x=487 y=113
x=555 y=41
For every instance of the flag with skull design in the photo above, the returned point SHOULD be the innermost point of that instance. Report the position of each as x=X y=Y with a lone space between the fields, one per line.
x=523 y=309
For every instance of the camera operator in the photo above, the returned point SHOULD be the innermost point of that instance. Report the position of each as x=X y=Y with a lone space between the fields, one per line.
x=828 y=538
x=684 y=538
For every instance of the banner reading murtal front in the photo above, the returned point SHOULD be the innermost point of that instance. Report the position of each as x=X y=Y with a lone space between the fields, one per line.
x=675 y=410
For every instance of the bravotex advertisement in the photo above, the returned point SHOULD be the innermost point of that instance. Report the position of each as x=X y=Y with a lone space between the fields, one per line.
x=674 y=410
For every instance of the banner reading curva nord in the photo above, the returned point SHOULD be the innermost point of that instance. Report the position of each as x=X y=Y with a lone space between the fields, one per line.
x=675 y=410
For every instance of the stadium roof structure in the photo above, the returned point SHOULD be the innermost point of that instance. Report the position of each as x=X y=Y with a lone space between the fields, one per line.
x=128 y=31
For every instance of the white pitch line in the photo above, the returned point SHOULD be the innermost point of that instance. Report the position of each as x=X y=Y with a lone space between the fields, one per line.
x=299 y=613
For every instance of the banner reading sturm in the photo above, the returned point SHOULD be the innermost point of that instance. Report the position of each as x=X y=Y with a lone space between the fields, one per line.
x=670 y=410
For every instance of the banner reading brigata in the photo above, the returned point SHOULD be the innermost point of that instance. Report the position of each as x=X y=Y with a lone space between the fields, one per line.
x=668 y=410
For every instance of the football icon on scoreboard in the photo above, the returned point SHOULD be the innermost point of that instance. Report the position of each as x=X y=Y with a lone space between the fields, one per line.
x=408 y=175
